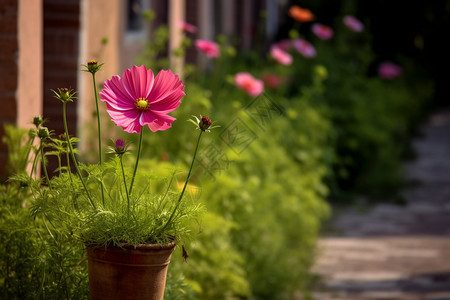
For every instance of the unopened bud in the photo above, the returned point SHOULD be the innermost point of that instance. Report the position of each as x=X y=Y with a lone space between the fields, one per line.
x=37 y=121
x=120 y=146
x=64 y=94
x=92 y=66
x=43 y=133
x=204 y=123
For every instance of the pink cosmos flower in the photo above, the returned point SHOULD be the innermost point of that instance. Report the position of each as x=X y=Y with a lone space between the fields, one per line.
x=323 y=32
x=187 y=27
x=211 y=49
x=248 y=83
x=304 y=47
x=138 y=98
x=389 y=70
x=280 y=55
x=353 y=23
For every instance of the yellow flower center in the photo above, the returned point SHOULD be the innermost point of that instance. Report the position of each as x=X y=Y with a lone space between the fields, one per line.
x=141 y=104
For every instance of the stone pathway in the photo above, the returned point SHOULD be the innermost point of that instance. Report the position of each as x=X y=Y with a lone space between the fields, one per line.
x=391 y=251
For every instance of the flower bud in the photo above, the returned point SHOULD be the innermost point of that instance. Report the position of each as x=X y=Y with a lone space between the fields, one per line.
x=37 y=121
x=204 y=123
x=92 y=66
x=43 y=133
x=120 y=147
x=64 y=94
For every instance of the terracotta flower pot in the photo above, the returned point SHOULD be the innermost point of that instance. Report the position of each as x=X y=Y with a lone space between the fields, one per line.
x=129 y=273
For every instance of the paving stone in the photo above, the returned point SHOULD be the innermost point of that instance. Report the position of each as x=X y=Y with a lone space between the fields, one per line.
x=396 y=252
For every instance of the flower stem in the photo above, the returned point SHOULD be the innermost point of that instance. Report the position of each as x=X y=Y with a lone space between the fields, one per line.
x=68 y=166
x=125 y=184
x=186 y=182
x=98 y=120
x=75 y=162
x=30 y=144
x=43 y=164
x=137 y=160
x=59 y=164
x=34 y=166
x=99 y=133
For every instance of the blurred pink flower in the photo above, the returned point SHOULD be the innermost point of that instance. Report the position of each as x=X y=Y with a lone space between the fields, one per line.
x=304 y=47
x=248 y=83
x=187 y=27
x=138 y=98
x=284 y=44
x=280 y=55
x=389 y=70
x=211 y=49
x=271 y=80
x=323 y=32
x=353 y=23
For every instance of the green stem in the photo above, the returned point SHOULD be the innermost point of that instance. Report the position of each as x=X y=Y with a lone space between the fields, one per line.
x=99 y=133
x=186 y=182
x=59 y=164
x=98 y=120
x=30 y=144
x=68 y=166
x=33 y=168
x=137 y=159
x=125 y=184
x=43 y=164
x=75 y=162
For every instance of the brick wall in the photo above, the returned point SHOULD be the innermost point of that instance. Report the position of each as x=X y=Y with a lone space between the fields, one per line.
x=61 y=65
x=8 y=71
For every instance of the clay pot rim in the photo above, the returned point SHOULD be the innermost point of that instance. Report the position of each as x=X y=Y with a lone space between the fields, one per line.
x=148 y=246
x=135 y=247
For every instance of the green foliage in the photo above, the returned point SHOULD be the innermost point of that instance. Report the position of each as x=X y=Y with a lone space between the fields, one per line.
x=373 y=119
x=141 y=219
x=215 y=269
x=19 y=147
x=36 y=261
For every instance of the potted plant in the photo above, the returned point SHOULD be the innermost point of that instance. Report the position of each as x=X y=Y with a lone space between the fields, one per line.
x=129 y=219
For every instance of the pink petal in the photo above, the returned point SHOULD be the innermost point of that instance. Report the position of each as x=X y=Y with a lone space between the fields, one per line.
x=353 y=23
x=211 y=49
x=166 y=83
x=281 y=56
x=128 y=120
x=138 y=81
x=241 y=78
x=187 y=27
x=323 y=32
x=169 y=103
x=304 y=47
x=114 y=95
x=156 y=121
x=248 y=83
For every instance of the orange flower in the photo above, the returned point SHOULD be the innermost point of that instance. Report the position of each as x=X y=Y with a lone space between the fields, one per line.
x=301 y=14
